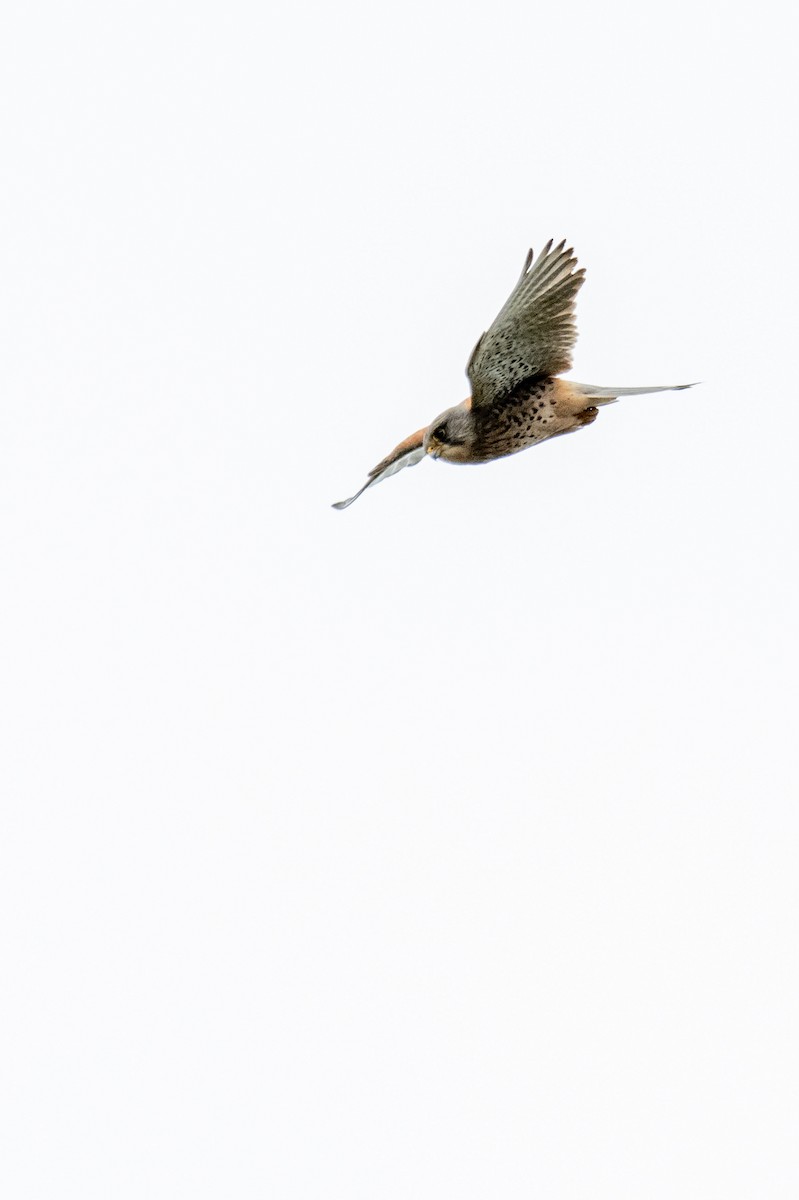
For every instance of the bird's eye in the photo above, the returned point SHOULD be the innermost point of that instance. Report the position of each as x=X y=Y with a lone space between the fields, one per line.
x=440 y=434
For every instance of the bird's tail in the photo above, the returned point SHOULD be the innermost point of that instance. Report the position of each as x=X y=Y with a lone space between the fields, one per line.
x=607 y=395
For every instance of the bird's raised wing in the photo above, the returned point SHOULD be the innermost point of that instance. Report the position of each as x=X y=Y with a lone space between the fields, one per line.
x=406 y=454
x=534 y=332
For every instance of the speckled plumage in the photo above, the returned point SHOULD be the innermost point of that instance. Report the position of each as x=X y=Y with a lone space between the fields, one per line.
x=535 y=411
x=517 y=400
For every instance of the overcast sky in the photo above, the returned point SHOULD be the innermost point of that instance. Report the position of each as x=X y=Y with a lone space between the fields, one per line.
x=443 y=847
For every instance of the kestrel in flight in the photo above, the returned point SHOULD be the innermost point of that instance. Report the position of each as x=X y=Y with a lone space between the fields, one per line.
x=517 y=400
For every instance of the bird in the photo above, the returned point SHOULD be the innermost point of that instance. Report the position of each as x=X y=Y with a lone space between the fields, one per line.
x=517 y=396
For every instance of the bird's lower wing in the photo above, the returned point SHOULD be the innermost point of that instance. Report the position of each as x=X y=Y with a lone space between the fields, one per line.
x=406 y=454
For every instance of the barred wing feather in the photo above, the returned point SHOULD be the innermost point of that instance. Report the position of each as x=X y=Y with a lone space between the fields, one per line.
x=534 y=333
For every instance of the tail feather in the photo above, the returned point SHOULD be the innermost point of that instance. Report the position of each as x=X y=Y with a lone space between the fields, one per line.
x=606 y=395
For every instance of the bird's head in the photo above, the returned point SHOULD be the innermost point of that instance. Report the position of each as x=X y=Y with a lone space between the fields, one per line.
x=451 y=435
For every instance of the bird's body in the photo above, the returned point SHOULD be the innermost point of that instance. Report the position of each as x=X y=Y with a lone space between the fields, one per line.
x=517 y=398
x=536 y=410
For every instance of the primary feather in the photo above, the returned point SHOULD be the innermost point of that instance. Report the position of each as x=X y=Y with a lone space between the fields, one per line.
x=534 y=333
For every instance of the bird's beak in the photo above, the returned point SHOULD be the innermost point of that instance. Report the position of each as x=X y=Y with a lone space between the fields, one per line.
x=431 y=449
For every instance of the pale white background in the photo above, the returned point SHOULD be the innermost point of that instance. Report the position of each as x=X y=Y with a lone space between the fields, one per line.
x=445 y=847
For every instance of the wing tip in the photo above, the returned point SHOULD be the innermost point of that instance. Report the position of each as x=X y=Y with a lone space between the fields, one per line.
x=342 y=504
